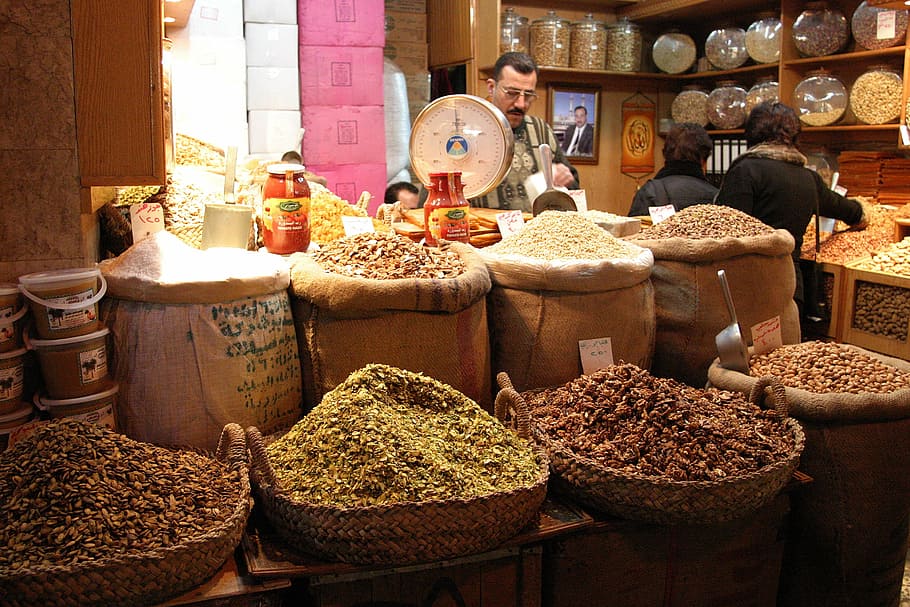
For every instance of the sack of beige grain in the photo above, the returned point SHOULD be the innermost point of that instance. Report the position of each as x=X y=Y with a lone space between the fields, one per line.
x=848 y=535
x=689 y=248
x=381 y=298
x=201 y=339
x=560 y=280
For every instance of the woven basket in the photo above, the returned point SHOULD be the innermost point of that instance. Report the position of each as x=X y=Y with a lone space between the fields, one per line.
x=663 y=501
x=141 y=579
x=189 y=233
x=396 y=534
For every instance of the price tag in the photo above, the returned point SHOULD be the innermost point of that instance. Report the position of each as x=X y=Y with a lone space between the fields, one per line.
x=146 y=219
x=840 y=190
x=658 y=214
x=580 y=199
x=766 y=335
x=356 y=225
x=885 y=25
x=595 y=354
x=510 y=222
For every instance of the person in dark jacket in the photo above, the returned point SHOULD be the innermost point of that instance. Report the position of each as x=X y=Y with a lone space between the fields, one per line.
x=681 y=182
x=771 y=182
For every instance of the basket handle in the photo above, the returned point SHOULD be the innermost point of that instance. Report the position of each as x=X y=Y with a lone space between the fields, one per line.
x=508 y=399
x=259 y=458
x=77 y=305
x=757 y=394
x=232 y=446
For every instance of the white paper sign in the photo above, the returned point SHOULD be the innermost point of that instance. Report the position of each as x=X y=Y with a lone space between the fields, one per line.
x=595 y=354
x=580 y=199
x=356 y=225
x=885 y=25
x=510 y=222
x=658 y=214
x=766 y=335
x=146 y=218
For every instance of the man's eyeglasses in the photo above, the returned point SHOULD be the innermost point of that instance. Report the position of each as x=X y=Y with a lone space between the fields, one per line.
x=514 y=94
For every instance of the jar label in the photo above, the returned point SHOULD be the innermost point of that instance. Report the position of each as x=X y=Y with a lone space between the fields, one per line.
x=11 y=379
x=286 y=226
x=67 y=319
x=450 y=223
x=93 y=365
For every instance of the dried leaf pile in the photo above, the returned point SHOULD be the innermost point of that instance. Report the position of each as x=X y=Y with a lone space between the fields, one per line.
x=623 y=418
x=75 y=492
x=706 y=221
x=386 y=435
x=387 y=255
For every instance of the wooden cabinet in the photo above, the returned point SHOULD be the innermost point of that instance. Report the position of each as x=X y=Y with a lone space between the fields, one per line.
x=119 y=93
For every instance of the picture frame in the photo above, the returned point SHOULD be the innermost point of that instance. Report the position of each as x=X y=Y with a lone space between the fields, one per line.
x=563 y=100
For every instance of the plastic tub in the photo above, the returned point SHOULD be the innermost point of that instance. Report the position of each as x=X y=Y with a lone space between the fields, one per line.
x=11 y=314
x=64 y=303
x=12 y=376
x=12 y=421
x=95 y=408
x=73 y=366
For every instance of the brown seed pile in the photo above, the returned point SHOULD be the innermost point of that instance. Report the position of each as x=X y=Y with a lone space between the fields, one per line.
x=690 y=106
x=706 y=221
x=624 y=418
x=875 y=96
x=74 y=492
x=828 y=367
x=846 y=245
x=387 y=255
x=882 y=310
x=386 y=435
x=561 y=235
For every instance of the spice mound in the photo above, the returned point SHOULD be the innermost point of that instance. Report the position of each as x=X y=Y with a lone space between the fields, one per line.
x=386 y=436
x=828 y=367
x=75 y=493
x=384 y=256
x=706 y=221
x=564 y=235
x=623 y=418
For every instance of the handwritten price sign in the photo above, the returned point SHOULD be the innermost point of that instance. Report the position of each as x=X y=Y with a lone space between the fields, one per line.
x=357 y=225
x=595 y=354
x=510 y=222
x=146 y=219
x=658 y=214
x=766 y=335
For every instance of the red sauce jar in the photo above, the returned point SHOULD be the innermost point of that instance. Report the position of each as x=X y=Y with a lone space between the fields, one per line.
x=445 y=212
x=285 y=209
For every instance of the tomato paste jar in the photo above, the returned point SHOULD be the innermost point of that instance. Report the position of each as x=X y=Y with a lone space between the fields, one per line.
x=445 y=212
x=285 y=209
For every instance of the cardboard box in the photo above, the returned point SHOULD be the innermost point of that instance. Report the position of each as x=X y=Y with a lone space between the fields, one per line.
x=274 y=131
x=346 y=134
x=218 y=18
x=273 y=11
x=273 y=88
x=334 y=75
x=341 y=23
x=405 y=27
x=410 y=57
x=271 y=45
x=348 y=181
x=407 y=6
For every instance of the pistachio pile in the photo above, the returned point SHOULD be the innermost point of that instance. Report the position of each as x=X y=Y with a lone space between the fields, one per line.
x=706 y=221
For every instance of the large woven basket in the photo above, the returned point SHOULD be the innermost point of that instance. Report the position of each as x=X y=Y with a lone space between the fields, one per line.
x=656 y=500
x=395 y=534
x=142 y=579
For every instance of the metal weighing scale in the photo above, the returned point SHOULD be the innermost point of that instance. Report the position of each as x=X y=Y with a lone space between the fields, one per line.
x=462 y=133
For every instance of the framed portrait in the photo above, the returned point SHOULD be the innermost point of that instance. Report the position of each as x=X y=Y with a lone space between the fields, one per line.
x=573 y=111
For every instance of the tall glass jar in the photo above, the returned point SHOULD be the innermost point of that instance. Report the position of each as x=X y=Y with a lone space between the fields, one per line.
x=727 y=105
x=725 y=47
x=875 y=97
x=764 y=89
x=690 y=105
x=550 y=40
x=763 y=38
x=623 y=46
x=820 y=99
x=445 y=212
x=588 y=41
x=514 y=34
x=820 y=30
x=285 y=209
x=875 y=27
x=673 y=52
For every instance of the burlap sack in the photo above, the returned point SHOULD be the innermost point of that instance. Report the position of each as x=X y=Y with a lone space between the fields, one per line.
x=540 y=310
x=435 y=327
x=192 y=354
x=690 y=305
x=847 y=540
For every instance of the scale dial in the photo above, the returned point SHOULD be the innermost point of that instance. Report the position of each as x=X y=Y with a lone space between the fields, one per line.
x=462 y=133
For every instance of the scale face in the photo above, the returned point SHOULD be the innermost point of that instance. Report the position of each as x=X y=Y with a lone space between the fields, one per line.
x=462 y=133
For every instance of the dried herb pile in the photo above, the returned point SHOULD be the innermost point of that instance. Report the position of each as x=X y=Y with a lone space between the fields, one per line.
x=387 y=435
x=624 y=418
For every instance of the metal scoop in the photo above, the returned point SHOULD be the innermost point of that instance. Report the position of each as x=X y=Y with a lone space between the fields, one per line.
x=550 y=199
x=731 y=347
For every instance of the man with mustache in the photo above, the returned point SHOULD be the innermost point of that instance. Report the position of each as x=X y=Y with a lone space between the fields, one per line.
x=512 y=90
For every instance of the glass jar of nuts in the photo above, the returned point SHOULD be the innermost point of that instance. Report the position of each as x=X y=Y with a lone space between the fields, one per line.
x=673 y=52
x=820 y=30
x=763 y=38
x=550 y=40
x=875 y=97
x=588 y=38
x=690 y=105
x=764 y=89
x=514 y=34
x=876 y=27
x=623 y=46
x=820 y=98
x=727 y=105
x=725 y=47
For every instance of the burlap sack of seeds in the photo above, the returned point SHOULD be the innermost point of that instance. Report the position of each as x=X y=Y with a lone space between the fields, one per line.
x=847 y=538
x=433 y=326
x=690 y=306
x=201 y=339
